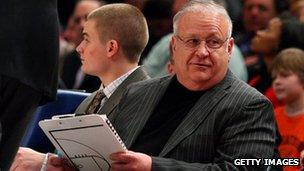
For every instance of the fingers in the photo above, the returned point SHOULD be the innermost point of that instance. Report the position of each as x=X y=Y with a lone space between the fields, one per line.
x=123 y=157
x=56 y=161
x=131 y=161
x=120 y=167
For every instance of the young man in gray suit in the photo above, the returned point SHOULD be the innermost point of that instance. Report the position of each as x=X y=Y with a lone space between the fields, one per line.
x=114 y=37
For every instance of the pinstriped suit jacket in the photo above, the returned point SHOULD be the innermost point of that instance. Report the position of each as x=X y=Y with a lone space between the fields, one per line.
x=138 y=75
x=230 y=120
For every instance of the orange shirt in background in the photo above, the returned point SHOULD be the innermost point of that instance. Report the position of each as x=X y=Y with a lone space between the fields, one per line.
x=292 y=132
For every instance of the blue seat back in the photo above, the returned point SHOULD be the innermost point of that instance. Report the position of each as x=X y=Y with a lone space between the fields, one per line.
x=67 y=101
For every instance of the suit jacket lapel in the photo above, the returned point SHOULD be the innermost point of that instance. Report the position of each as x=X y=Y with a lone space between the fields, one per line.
x=151 y=97
x=138 y=75
x=197 y=115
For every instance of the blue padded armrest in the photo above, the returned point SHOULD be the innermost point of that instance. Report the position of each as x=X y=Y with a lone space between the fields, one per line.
x=67 y=101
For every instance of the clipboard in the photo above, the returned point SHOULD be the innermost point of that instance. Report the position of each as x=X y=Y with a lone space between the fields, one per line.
x=87 y=140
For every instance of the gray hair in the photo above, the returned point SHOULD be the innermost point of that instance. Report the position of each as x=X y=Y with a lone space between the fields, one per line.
x=202 y=6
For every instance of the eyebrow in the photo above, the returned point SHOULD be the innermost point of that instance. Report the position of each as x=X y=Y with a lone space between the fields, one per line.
x=211 y=34
x=206 y=37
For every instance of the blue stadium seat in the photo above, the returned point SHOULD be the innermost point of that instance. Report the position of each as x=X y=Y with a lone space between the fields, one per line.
x=66 y=102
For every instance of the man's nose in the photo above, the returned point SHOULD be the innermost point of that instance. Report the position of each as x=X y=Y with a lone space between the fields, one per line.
x=276 y=80
x=255 y=11
x=202 y=49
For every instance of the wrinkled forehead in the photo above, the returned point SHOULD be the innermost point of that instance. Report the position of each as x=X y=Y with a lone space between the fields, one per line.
x=203 y=22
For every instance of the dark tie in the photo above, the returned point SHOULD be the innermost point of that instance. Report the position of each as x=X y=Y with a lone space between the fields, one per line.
x=95 y=105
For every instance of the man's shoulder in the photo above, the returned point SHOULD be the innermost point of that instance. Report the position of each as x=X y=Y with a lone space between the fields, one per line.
x=143 y=85
x=152 y=81
x=138 y=74
x=242 y=90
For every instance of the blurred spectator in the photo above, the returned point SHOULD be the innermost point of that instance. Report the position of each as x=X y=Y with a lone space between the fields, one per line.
x=28 y=69
x=72 y=76
x=280 y=34
x=138 y=3
x=256 y=16
x=65 y=48
x=288 y=84
x=297 y=9
x=73 y=31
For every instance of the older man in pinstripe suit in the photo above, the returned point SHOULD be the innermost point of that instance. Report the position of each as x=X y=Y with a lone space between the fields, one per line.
x=203 y=117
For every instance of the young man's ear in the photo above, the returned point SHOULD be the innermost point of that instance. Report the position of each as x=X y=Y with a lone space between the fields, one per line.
x=112 y=48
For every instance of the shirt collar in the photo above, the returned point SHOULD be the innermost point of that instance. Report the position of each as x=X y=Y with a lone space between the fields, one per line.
x=109 y=90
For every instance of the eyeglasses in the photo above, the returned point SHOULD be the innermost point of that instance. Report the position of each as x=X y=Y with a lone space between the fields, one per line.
x=211 y=44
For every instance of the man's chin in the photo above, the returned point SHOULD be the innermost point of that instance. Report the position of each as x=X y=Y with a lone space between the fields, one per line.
x=200 y=77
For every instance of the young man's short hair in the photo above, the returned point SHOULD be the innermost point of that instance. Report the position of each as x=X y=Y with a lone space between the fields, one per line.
x=125 y=24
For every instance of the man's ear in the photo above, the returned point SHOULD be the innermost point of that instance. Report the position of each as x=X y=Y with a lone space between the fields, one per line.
x=112 y=48
x=230 y=46
x=172 y=48
x=173 y=44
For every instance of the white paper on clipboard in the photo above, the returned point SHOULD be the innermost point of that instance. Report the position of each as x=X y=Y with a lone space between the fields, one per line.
x=86 y=140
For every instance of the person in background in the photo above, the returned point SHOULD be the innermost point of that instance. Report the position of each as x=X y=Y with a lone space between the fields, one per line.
x=28 y=68
x=71 y=74
x=112 y=57
x=281 y=33
x=137 y=3
x=256 y=16
x=297 y=9
x=288 y=84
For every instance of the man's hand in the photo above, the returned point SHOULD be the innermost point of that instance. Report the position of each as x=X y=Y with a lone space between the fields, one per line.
x=27 y=159
x=59 y=164
x=130 y=160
